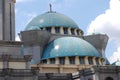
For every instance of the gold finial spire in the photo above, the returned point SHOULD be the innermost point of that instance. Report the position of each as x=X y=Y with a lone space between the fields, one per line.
x=50 y=7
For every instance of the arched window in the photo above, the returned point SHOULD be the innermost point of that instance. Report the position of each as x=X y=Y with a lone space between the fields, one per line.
x=109 y=78
x=81 y=60
x=62 y=60
x=72 y=31
x=52 y=61
x=48 y=29
x=97 y=61
x=72 y=60
x=78 y=32
x=90 y=60
x=65 y=30
x=57 y=29
x=44 y=61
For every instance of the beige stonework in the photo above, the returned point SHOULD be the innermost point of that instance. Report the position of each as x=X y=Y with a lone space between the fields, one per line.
x=75 y=31
x=61 y=30
x=94 y=62
x=67 y=60
x=17 y=65
x=58 y=68
x=69 y=31
x=53 y=30
x=77 y=60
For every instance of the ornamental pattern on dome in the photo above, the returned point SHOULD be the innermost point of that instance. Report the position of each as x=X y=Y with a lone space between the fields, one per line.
x=69 y=46
x=51 y=19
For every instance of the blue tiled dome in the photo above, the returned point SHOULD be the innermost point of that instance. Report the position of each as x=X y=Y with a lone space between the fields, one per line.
x=51 y=19
x=117 y=63
x=69 y=46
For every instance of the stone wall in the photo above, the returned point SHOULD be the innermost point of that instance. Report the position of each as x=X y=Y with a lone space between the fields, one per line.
x=99 y=73
x=31 y=74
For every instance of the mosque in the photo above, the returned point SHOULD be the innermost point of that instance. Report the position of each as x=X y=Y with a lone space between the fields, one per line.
x=52 y=47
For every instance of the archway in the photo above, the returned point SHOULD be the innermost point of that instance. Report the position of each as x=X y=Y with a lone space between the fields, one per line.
x=109 y=78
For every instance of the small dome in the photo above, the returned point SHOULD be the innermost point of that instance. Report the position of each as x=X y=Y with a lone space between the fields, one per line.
x=69 y=46
x=117 y=63
x=51 y=19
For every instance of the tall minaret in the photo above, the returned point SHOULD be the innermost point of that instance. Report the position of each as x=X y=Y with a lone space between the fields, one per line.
x=7 y=20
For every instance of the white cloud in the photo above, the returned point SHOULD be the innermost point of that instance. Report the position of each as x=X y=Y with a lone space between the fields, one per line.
x=115 y=56
x=109 y=23
x=17 y=38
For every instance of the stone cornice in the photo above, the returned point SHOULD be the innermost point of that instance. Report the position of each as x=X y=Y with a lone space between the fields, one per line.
x=15 y=58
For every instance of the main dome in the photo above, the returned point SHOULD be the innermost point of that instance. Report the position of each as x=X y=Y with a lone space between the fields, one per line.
x=69 y=46
x=51 y=19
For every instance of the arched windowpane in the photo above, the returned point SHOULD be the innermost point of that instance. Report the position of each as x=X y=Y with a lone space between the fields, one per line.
x=62 y=60
x=81 y=60
x=57 y=29
x=78 y=32
x=48 y=29
x=52 y=61
x=65 y=30
x=90 y=60
x=44 y=61
x=72 y=60
x=97 y=62
x=72 y=32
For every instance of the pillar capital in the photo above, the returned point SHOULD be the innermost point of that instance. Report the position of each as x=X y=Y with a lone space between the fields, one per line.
x=5 y=57
x=27 y=58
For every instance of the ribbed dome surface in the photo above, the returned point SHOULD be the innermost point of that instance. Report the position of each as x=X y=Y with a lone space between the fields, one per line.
x=69 y=46
x=51 y=19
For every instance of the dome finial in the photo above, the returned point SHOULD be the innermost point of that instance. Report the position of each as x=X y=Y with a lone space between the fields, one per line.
x=50 y=7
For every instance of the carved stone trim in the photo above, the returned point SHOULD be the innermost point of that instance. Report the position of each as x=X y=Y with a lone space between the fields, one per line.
x=27 y=58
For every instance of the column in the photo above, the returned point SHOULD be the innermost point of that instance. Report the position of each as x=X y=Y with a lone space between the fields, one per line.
x=48 y=61
x=75 y=31
x=1 y=20
x=53 y=30
x=86 y=60
x=102 y=61
x=69 y=31
x=56 y=60
x=80 y=33
x=28 y=61
x=77 y=60
x=99 y=59
x=5 y=64
x=28 y=65
x=94 y=61
x=8 y=20
x=5 y=59
x=67 y=60
x=61 y=30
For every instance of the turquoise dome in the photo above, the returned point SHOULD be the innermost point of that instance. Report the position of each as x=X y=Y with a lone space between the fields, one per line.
x=50 y=19
x=69 y=46
x=117 y=63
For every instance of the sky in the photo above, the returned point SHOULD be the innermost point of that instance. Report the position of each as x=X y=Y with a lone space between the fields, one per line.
x=99 y=16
